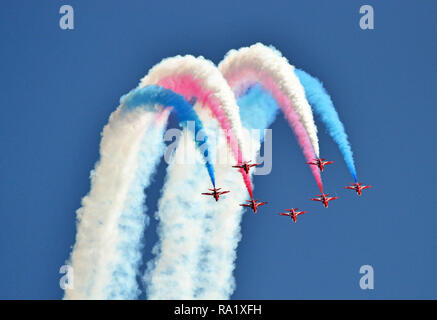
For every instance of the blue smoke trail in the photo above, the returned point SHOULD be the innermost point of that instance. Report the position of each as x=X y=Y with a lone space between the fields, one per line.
x=134 y=220
x=258 y=109
x=323 y=106
x=214 y=279
x=153 y=94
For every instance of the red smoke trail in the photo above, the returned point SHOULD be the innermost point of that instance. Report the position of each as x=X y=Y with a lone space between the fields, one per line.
x=190 y=87
x=241 y=80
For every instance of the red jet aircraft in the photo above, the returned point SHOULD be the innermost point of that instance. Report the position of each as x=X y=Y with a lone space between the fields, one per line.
x=292 y=213
x=253 y=204
x=246 y=166
x=215 y=193
x=320 y=163
x=323 y=198
x=358 y=187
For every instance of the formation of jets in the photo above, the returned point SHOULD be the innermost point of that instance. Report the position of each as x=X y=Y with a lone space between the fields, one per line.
x=292 y=213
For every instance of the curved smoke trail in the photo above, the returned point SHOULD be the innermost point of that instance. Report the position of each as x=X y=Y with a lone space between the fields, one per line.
x=128 y=158
x=324 y=107
x=198 y=236
x=196 y=251
x=153 y=94
x=258 y=110
x=260 y=64
x=133 y=219
x=96 y=252
x=175 y=271
x=180 y=213
x=258 y=105
x=199 y=78
x=222 y=230
x=195 y=256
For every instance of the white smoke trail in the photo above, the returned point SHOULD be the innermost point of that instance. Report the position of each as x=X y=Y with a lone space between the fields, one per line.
x=259 y=62
x=196 y=254
x=198 y=237
x=222 y=223
x=180 y=214
x=133 y=219
x=106 y=232
x=184 y=214
x=213 y=91
x=111 y=208
x=222 y=233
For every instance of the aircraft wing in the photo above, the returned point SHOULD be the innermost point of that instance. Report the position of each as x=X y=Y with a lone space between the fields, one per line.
x=366 y=187
x=223 y=192
x=207 y=194
x=331 y=198
x=316 y=199
x=284 y=214
x=245 y=205
x=349 y=187
x=261 y=203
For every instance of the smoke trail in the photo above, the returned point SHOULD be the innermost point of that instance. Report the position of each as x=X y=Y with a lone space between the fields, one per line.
x=104 y=240
x=181 y=211
x=133 y=219
x=98 y=237
x=199 y=78
x=153 y=94
x=324 y=107
x=264 y=65
x=221 y=234
x=221 y=226
x=258 y=109
x=196 y=253
x=198 y=236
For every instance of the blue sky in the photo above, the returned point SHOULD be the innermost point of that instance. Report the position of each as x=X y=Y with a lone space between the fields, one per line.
x=58 y=89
